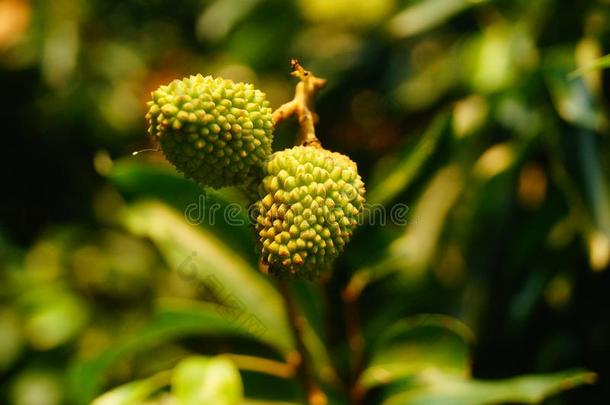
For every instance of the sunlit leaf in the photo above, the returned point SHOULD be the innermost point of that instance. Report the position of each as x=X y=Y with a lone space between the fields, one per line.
x=347 y=13
x=54 y=315
x=194 y=253
x=318 y=351
x=588 y=51
x=310 y=301
x=488 y=60
x=35 y=386
x=217 y=20
x=469 y=115
x=134 y=392
x=433 y=387
x=571 y=97
x=417 y=344
x=598 y=64
x=220 y=211
x=425 y=86
x=423 y=15
x=495 y=160
x=172 y=320
x=414 y=250
x=202 y=380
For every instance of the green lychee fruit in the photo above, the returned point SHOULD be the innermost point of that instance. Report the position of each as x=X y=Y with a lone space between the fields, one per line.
x=213 y=130
x=311 y=200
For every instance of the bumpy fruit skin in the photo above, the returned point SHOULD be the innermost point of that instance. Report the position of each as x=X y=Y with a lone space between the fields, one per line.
x=311 y=200
x=213 y=130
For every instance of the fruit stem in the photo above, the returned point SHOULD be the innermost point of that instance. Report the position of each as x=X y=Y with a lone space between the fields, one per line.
x=302 y=105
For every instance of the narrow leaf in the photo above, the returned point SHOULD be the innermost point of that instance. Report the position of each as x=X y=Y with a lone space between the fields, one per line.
x=424 y=15
x=134 y=392
x=443 y=389
x=172 y=320
x=408 y=165
x=249 y=298
x=417 y=344
x=598 y=64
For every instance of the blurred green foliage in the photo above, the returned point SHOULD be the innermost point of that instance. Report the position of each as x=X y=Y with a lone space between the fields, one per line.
x=480 y=128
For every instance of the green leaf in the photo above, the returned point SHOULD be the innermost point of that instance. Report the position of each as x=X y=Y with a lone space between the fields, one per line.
x=35 y=385
x=597 y=64
x=249 y=299
x=318 y=351
x=219 y=18
x=572 y=99
x=437 y=388
x=424 y=86
x=424 y=15
x=202 y=380
x=489 y=60
x=173 y=319
x=417 y=344
x=595 y=183
x=413 y=251
x=54 y=315
x=594 y=180
x=134 y=392
x=11 y=336
x=311 y=305
x=136 y=179
x=400 y=175
x=205 y=207
x=410 y=253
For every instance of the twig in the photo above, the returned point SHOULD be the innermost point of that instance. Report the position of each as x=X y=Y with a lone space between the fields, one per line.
x=302 y=105
x=297 y=359
x=267 y=366
x=315 y=396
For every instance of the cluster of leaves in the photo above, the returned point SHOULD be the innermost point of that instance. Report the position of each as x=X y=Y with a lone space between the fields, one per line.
x=486 y=118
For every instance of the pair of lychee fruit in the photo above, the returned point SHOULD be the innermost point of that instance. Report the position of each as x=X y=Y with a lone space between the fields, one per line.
x=308 y=199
